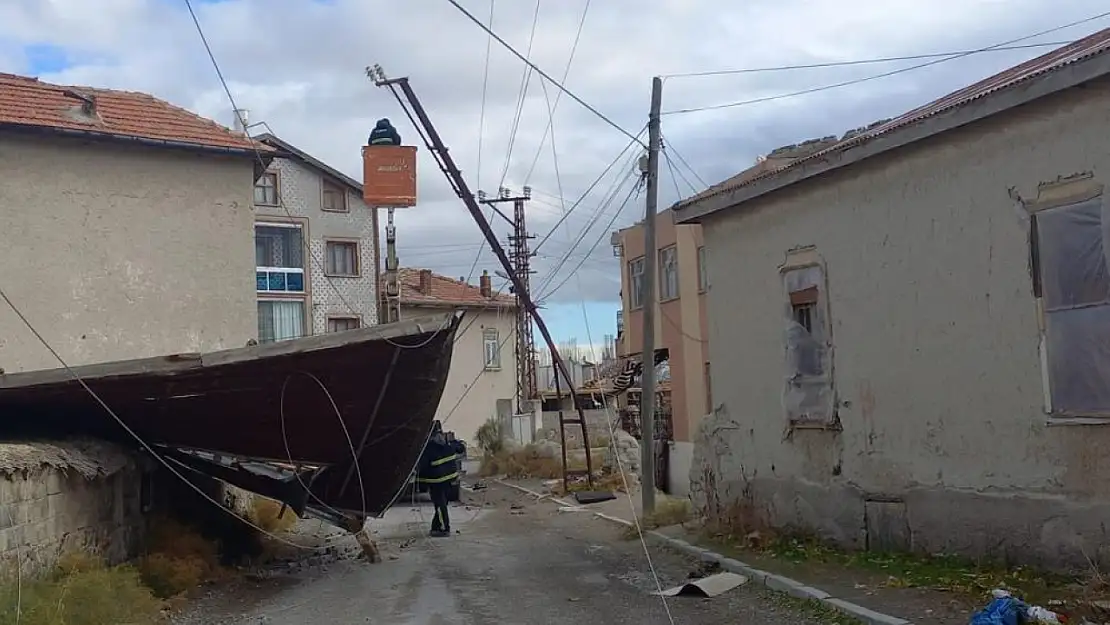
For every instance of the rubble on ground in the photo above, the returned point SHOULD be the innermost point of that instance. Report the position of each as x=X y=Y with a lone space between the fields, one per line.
x=624 y=455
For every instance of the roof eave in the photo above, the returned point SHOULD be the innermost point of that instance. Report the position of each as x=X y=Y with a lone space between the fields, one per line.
x=1066 y=77
x=289 y=150
x=122 y=138
x=458 y=304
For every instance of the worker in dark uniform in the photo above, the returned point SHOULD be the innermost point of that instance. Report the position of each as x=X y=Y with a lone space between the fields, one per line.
x=384 y=134
x=438 y=468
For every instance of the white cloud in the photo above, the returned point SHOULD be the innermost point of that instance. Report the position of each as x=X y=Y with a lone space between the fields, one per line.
x=298 y=65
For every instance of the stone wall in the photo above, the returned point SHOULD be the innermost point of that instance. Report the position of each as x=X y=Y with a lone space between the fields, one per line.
x=63 y=497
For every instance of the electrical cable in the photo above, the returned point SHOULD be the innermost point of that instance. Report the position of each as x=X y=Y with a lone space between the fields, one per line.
x=635 y=188
x=281 y=202
x=485 y=91
x=544 y=74
x=558 y=96
x=587 y=192
x=884 y=74
x=525 y=82
x=666 y=146
x=142 y=442
x=869 y=61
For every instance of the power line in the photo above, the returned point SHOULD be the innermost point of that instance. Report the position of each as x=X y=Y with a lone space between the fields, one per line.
x=903 y=70
x=558 y=96
x=635 y=140
x=525 y=82
x=485 y=91
x=544 y=74
x=870 y=61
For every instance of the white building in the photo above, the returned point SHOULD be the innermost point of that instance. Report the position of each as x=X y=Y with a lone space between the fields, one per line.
x=482 y=381
x=334 y=287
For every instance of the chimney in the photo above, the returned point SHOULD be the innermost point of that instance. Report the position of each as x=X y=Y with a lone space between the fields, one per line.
x=242 y=120
x=426 y=281
x=484 y=284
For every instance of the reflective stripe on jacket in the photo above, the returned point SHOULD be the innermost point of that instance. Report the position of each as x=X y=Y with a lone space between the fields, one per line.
x=438 y=463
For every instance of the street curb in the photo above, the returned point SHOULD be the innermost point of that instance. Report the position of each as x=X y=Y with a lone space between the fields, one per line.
x=776 y=583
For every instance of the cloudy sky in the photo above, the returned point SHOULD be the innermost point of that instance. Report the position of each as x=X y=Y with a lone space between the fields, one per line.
x=298 y=65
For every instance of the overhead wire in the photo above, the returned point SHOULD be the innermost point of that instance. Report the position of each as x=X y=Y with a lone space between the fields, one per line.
x=163 y=460
x=667 y=146
x=522 y=97
x=544 y=74
x=888 y=74
x=868 y=61
x=485 y=91
x=281 y=202
x=558 y=96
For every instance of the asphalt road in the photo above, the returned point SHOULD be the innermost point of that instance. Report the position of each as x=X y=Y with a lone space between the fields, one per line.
x=513 y=561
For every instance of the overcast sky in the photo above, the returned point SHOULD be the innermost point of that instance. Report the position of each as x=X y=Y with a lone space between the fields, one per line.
x=298 y=65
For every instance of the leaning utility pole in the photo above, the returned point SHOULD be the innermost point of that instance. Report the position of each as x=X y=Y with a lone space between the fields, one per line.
x=392 y=308
x=520 y=256
x=647 y=353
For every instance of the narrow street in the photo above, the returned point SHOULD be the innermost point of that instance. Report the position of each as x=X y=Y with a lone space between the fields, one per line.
x=514 y=560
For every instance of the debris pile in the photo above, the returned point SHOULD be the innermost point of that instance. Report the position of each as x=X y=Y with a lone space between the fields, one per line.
x=625 y=449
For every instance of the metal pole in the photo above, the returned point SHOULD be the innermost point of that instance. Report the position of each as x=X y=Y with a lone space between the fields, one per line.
x=647 y=354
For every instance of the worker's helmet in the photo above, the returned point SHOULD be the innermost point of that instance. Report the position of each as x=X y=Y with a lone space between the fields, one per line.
x=383 y=122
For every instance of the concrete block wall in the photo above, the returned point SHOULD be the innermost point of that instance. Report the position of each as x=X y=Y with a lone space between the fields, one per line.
x=47 y=512
x=597 y=424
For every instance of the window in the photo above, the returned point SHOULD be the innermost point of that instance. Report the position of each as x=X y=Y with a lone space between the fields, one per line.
x=1072 y=278
x=279 y=258
x=491 y=348
x=668 y=273
x=335 y=197
x=266 y=189
x=342 y=259
x=342 y=324
x=808 y=396
x=279 y=320
x=703 y=271
x=636 y=277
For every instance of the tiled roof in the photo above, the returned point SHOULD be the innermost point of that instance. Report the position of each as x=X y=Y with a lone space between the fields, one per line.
x=446 y=291
x=29 y=102
x=1085 y=48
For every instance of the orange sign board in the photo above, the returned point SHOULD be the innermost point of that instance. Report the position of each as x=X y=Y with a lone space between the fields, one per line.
x=389 y=175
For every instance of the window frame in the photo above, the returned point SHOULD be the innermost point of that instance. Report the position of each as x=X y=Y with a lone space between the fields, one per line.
x=336 y=188
x=636 y=284
x=703 y=270
x=491 y=336
x=270 y=270
x=345 y=318
x=665 y=295
x=277 y=188
x=306 y=327
x=814 y=298
x=1060 y=194
x=356 y=246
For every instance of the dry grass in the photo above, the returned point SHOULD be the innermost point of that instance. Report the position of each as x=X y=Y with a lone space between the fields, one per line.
x=178 y=558
x=81 y=591
x=668 y=511
x=522 y=463
x=267 y=514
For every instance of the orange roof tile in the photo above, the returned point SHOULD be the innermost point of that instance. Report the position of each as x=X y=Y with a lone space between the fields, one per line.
x=445 y=291
x=29 y=102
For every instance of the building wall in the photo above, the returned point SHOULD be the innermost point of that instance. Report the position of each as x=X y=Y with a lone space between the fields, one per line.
x=945 y=444
x=472 y=389
x=122 y=251
x=301 y=191
x=681 y=326
x=48 y=511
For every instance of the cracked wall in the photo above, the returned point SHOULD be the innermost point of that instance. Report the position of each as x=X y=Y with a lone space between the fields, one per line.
x=942 y=442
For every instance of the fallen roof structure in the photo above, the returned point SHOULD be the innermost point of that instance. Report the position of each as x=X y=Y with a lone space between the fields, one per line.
x=297 y=421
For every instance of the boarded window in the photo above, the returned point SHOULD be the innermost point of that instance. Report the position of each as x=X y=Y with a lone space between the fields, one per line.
x=1073 y=273
x=342 y=324
x=808 y=394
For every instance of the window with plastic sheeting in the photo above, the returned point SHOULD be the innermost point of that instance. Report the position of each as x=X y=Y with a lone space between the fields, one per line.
x=808 y=395
x=1072 y=278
